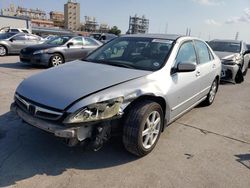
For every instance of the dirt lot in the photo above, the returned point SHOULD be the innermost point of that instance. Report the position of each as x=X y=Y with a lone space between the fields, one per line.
x=207 y=147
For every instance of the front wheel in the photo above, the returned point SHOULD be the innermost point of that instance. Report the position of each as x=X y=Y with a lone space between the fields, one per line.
x=211 y=95
x=3 y=51
x=142 y=128
x=56 y=60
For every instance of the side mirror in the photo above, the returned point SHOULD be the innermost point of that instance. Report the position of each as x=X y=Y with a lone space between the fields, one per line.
x=12 y=39
x=246 y=52
x=186 y=67
x=70 y=44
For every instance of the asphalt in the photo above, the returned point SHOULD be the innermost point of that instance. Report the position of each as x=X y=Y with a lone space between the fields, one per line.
x=207 y=147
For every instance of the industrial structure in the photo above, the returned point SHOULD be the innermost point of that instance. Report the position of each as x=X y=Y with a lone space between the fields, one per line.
x=90 y=24
x=138 y=25
x=72 y=15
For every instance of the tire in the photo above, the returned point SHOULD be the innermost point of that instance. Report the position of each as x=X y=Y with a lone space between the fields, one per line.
x=3 y=51
x=139 y=121
x=212 y=93
x=56 y=60
x=239 y=78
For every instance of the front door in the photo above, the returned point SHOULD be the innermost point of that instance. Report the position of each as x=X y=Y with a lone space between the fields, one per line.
x=184 y=89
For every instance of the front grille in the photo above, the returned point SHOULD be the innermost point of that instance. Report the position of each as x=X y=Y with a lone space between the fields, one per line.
x=37 y=111
x=25 y=59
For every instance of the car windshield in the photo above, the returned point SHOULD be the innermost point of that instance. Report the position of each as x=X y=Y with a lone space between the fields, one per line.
x=59 y=40
x=225 y=46
x=6 y=35
x=133 y=52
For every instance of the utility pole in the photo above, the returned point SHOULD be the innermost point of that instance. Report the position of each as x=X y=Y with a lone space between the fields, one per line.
x=166 y=29
x=237 y=36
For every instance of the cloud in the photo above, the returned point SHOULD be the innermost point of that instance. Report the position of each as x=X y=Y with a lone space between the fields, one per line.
x=212 y=22
x=245 y=18
x=209 y=2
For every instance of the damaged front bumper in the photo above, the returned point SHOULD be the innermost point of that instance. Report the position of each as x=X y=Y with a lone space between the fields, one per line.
x=229 y=72
x=79 y=132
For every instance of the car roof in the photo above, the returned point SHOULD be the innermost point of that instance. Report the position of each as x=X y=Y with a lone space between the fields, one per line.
x=222 y=40
x=159 y=36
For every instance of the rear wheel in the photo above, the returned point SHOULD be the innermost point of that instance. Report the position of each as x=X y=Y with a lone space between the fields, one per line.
x=56 y=60
x=143 y=127
x=212 y=93
x=3 y=50
x=239 y=78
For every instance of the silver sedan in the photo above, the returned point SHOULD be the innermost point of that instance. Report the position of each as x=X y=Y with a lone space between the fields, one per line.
x=134 y=85
x=13 y=43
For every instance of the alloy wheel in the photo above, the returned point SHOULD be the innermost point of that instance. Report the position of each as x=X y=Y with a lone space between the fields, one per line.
x=151 y=130
x=2 y=51
x=56 y=60
x=212 y=92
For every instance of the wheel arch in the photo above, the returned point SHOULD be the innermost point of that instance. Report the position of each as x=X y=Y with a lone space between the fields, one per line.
x=60 y=53
x=151 y=97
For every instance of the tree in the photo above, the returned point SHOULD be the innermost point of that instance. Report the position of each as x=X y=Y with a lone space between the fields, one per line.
x=115 y=30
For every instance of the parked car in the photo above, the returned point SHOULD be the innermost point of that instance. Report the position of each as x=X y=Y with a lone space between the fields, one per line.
x=248 y=46
x=235 y=59
x=59 y=50
x=148 y=83
x=14 y=30
x=103 y=37
x=12 y=43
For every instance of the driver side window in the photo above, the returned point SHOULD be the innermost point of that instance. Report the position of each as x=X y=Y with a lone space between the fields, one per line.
x=186 y=54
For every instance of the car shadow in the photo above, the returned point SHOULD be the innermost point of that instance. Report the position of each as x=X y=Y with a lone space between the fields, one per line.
x=19 y=65
x=26 y=151
x=244 y=159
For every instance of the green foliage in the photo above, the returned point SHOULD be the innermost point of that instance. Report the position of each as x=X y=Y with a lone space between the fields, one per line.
x=115 y=30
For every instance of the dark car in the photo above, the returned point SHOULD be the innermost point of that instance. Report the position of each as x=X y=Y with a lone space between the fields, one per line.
x=103 y=37
x=248 y=46
x=59 y=50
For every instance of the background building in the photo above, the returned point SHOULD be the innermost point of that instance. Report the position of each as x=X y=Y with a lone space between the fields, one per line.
x=138 y=25
x=72 y=15
x=11 y=11
x=57 y=18
x=31 y=13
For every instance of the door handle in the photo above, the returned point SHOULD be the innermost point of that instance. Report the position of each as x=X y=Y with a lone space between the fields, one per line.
x=198 y=74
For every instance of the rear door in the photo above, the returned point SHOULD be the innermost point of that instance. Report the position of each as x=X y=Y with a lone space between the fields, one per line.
x=207 y=67
x=17 y=43
x=32 y=40
x=184 y=89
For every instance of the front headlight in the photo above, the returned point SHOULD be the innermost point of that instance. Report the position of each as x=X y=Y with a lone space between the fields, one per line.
x=97 y=111
x=40 y=52
x=237 y=59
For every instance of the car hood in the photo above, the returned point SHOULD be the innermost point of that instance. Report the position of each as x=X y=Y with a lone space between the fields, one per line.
x=226 y=55
x=61 y=86
x=40 y=47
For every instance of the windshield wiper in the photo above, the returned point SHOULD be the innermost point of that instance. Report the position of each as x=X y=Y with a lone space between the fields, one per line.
x=117 y=64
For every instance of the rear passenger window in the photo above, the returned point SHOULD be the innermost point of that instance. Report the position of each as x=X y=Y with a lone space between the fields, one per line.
x=186 y=53
x=202 y=52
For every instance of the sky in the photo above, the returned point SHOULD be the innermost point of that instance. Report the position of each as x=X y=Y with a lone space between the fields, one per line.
x=208 y=19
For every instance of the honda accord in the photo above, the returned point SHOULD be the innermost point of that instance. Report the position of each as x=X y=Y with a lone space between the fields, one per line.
x=134 y=85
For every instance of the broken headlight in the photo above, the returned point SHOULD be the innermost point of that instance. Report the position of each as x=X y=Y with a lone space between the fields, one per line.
x=97 y=111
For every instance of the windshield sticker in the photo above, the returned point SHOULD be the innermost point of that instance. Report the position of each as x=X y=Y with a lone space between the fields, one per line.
x=156 y=64
x=162 y=41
